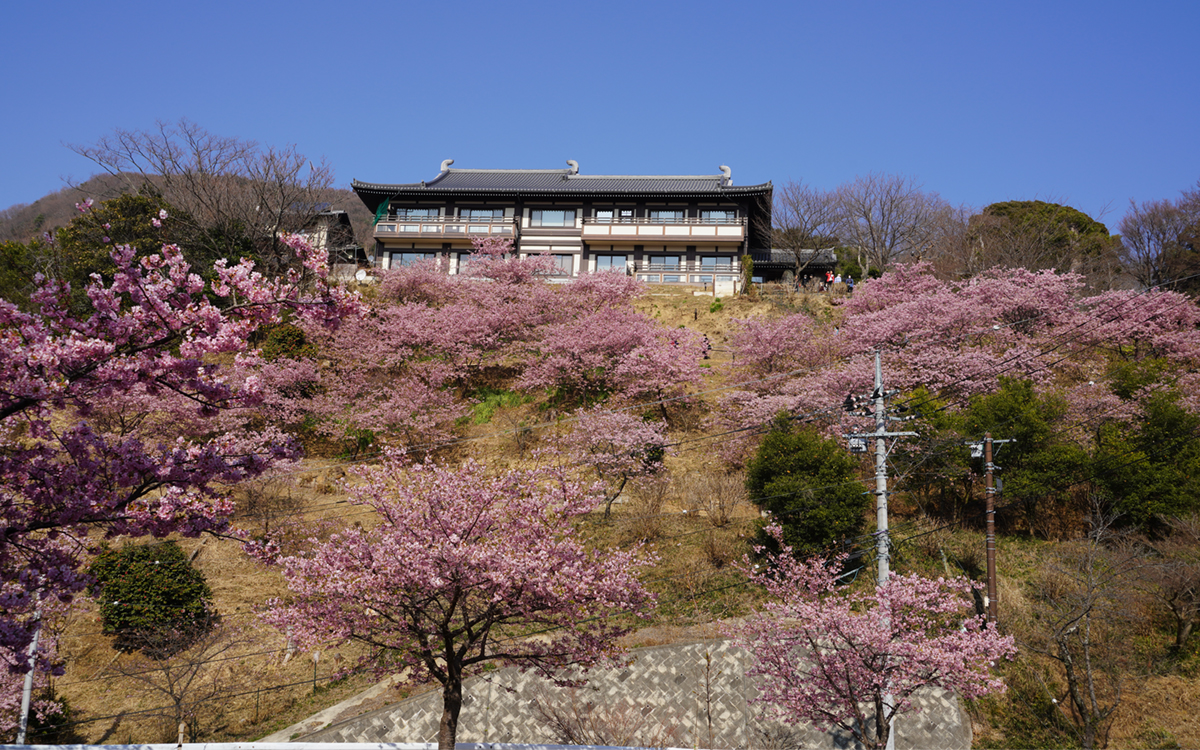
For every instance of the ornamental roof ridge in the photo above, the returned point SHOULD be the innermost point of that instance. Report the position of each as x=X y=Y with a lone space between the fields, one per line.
x=354 y=183
x=506 y=171
x=580 y=175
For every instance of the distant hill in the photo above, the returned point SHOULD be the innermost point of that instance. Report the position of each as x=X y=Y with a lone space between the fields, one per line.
x=24 y=221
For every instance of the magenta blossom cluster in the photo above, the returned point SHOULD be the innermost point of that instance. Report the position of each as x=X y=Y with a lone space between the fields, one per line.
x=107 y=420
x=849 y=658
x=464 y=568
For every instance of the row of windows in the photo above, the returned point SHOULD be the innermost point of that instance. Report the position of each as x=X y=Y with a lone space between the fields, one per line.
x=565 y=262
x=539 y=217
x=695 y=278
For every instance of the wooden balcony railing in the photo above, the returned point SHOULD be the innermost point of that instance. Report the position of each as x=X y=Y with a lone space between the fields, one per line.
x=687 y=267
x=444 y=227
x=678 y=230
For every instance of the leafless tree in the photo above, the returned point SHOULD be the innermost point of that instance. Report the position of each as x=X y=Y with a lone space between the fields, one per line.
x=189 y=685
x=950 y=248
x=577 y=716
x=888 y=218
x=1174 y=579
x=1082 y=620
x=1154 y=240
x=227 y=188
x=803 y=221
x=270 y=508
x=718 y=496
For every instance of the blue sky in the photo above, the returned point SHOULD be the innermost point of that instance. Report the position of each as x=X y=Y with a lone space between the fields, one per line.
x=1090 y=104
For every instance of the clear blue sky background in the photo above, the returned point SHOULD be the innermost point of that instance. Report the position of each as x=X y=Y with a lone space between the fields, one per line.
x=1086 y=103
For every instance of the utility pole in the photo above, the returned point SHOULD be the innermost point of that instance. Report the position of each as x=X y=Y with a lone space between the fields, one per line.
x=991 y=529
x=881 y=434
x=989 y=467
x=27 y=691
x=878 y=409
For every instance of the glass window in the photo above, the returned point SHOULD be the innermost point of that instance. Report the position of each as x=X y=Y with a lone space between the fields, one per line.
x=610 y=263
x=715 y=261
x=552 y=218
x=415 y=213
x=672 y=216
x=671 y=278
x=481 y=214
x=564 y=264
x=408 y=259
x=721 y=216
x=664 y=261
x=611 y=215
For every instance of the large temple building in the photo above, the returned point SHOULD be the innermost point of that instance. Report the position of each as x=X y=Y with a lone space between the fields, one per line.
x=661 y=228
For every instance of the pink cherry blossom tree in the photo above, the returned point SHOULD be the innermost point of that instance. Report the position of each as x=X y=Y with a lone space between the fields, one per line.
x=851 y=659
x=109 y=423
x=399 y=374
x=956 y=339
x=463 y=566
x=613 y=351
x=618 y=446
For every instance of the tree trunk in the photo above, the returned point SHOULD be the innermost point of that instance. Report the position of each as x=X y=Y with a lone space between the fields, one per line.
x=452 y=696
x=882 y=727
x=451 y=703
x=611 y=497
x=1183 y=630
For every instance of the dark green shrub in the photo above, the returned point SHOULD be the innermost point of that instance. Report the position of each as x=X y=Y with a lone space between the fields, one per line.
x=151 y=598
x=809 y=485
x=747 y=274
x=286 y=340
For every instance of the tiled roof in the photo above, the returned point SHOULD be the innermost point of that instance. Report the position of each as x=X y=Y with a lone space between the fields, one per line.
x=776 y=256
x=560 y=181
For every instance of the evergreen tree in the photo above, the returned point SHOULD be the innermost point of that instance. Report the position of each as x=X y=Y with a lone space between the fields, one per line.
x=809 y=484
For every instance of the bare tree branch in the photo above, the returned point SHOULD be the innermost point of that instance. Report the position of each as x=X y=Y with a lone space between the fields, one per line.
x=803 y=221
x=236 y=195
x=888 y=218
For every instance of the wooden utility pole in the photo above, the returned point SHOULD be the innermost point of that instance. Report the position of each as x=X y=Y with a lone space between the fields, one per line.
x=991 y=601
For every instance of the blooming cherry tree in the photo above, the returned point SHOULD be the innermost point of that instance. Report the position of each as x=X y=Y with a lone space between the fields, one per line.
x=853 y=659
x=957 y=339
x=462 y=566
x=614 y=351
x=618 y=446
x=107 y=421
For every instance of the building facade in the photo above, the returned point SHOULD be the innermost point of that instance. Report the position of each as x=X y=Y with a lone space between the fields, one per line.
x=661 y=228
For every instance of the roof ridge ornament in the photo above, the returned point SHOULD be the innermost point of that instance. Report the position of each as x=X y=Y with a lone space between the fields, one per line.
x=446 y=164
x=728 y=179
x=574 y=166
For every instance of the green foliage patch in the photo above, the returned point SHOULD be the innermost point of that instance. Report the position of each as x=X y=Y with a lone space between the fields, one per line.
x=491 y=400
x=809 y=485
x=152 y=599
